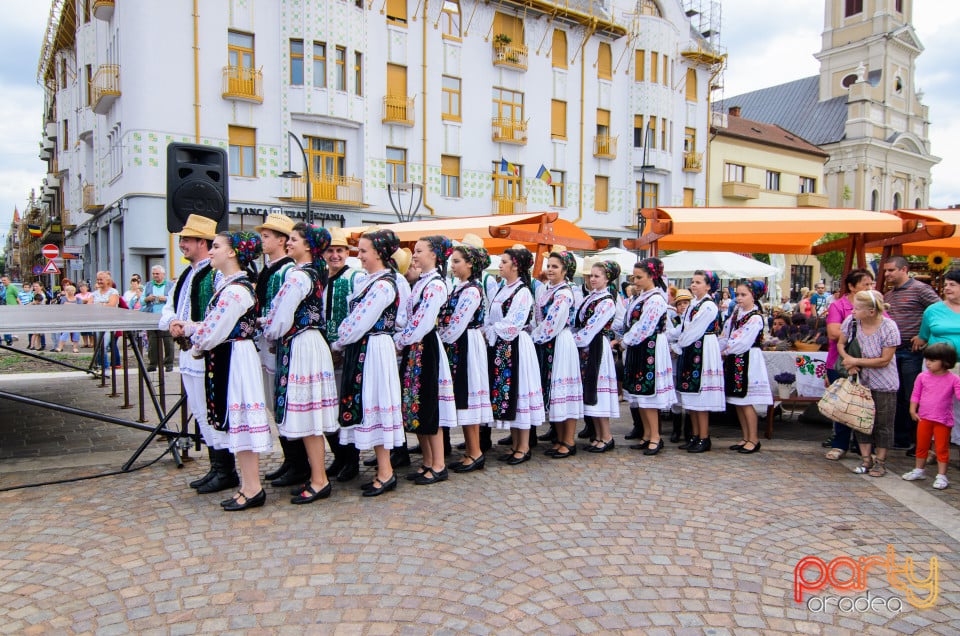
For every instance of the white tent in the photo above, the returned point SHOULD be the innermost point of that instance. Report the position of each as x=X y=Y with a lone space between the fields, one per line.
x=726 y=265
x=626 y=260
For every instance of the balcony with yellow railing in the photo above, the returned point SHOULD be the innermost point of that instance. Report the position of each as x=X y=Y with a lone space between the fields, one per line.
x=509 y=206
x=506 y=53
x=605 y=147
x=243 y=83
x=106 y=87
x=692 y=161
x=510 y=131
x=90 y=204
x=327 y=189
x=103 y=9
x=398 y=110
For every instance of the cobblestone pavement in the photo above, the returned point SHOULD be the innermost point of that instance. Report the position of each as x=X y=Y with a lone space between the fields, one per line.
x=618 y=542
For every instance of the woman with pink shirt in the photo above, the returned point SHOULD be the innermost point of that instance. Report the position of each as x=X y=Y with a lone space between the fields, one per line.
x=855 y=281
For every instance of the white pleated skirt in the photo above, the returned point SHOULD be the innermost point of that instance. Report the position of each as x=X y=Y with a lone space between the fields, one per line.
x=382 y=423
x=608 y=402
x=566 y=385
x=758 y=383
x=478 y=409
x=448 y=402
x=665 y=395
x=197 y=403
x=711 y=396
x=530 y=411
x=312 y=407
x=247 y=420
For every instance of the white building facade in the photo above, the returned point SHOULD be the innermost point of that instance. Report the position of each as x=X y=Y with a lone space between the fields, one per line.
x=467 y=98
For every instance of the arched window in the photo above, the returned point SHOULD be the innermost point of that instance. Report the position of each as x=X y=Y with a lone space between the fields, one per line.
x=875 y=201
x=896 y=201
x=691 y=84
x=918 y=204
x=604 y=63
x=649 y=7
x=558 y=51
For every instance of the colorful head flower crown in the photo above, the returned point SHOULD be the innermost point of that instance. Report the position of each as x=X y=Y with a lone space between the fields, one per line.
x=385 y=243
x=476 y=257
x=569 y=263
x=441 y=247
x=757 y=287
x=712 y=280
x=247 y=245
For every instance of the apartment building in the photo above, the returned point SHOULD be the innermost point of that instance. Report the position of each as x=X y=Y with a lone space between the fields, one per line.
x=488 y=108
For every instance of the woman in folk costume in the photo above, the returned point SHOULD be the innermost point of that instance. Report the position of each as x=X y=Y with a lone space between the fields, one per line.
x=515 y=393
x=305 y=390
x=744 y=369
x=594 y=320
x=234 y=382
x=426 y=387
x=647 y=366
x=370 y=390
x=558 y=354
x=461 y=322
x=700 y=375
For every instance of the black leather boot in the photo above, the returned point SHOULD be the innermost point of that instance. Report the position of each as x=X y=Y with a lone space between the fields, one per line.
x=226 y=472
x=589 y=431
x=196 y=483
x=702 y=446
x=351 y=463
x=486 y=441
x=677 y=420
x=285 y=466
x=637 y=432
x=399 y=457
x=691 y=442
x=447 y=449
x=299 y=469
x=336 y=449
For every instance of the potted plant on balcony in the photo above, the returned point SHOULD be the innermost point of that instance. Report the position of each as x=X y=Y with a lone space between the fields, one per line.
x=502 y=38
x=784 y=384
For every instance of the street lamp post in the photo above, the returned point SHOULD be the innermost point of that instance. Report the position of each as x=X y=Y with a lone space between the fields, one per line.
x=644 y=166
x=290 y=174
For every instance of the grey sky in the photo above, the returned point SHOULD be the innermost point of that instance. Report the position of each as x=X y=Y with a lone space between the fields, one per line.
x=768 y=43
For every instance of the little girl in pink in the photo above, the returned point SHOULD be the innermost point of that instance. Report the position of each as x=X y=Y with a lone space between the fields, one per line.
x=931 y=406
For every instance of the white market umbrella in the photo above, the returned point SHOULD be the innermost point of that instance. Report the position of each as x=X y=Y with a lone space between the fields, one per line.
x=726 y=265
x=626 y=260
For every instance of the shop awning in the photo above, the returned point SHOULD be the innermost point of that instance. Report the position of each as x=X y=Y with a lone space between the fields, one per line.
x=925 y=231
x=767 y=230
x=498 y=232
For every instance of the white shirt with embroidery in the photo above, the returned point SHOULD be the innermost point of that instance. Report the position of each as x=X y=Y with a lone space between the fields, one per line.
x=366 y=314
x=693 y=330
x=508 y=327
x=604 y=311
x=556 y=319
x=169 y=313
x=468 y=304
x=423 y=306
x=654 y=307
x=737 y=341
x=234 y=301
x=296 y=286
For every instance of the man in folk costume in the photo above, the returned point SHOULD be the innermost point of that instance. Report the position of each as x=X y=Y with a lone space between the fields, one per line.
x=188 y=303
x=340 y=283
x=274 y=234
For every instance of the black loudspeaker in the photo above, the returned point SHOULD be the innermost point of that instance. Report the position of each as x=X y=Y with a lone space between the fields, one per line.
x=196 y=184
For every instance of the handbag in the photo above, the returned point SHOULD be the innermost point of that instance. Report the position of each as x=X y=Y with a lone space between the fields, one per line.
x=853 y=350
x=849 y=402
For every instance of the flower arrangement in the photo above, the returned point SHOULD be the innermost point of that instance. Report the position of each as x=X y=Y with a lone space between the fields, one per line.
x=938 y=261
x=785 y=378
x=502 y=38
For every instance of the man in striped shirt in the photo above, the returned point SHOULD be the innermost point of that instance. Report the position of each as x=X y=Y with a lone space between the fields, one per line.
x=907 y=298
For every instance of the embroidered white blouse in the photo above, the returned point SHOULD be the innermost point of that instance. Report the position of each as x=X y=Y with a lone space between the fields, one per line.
x=468 y=304
x=654 y=307
x=431 y=292
x=605 y=310
x=365 y=315
x=549 y=325
x=693 y=330
x=279 y=320
x=737 y=341
x=233 y=302
x=508 y=327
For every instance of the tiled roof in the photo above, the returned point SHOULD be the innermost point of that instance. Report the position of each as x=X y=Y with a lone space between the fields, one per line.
x=796 y=107
x=769 y=134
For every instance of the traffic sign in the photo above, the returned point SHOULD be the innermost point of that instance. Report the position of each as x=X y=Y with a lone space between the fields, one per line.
x=51 y=268
x=37 y=270
x=50 y=251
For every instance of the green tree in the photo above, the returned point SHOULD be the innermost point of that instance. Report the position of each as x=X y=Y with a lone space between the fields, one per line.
x=832 y=262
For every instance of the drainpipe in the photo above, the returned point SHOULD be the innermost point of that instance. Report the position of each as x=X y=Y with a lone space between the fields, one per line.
x=583 y=71
x=423 y=101
x=706 y=150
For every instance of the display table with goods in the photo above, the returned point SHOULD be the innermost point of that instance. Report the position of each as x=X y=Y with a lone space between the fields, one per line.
x=123 y=324
x=809 y=369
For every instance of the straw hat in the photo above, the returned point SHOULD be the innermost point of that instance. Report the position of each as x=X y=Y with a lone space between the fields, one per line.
x=403 y=257
x=338 y=238
x=277 y=222
x=472 y=240
x=199 y=227
x=683 y=294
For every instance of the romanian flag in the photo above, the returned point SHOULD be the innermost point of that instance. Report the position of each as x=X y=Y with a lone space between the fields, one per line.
x=34 y=230
x=544 y=174
x=509 y=168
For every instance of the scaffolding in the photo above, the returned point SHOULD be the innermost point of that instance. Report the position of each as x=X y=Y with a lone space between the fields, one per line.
x=705 y=21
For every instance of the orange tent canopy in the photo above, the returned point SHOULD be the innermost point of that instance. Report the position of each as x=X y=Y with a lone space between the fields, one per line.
x=769 y=230
x=942 y=224
x=499 y=232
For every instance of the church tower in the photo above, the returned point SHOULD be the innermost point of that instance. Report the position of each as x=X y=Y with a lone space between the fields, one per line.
x=868 y=58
